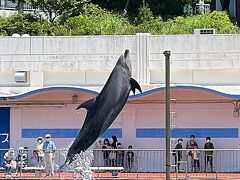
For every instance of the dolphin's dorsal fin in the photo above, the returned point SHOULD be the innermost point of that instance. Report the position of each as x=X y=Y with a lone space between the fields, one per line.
x=87 y=104
x=135 y=85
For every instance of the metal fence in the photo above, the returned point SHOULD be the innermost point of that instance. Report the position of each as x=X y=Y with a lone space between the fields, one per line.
x=134 y=163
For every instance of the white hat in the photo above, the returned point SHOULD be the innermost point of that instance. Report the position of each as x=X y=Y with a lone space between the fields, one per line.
x=48 y=136
x=39 y=137
x=21 y=148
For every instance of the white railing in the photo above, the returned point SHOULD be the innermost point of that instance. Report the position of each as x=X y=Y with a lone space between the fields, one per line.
x=144 y=162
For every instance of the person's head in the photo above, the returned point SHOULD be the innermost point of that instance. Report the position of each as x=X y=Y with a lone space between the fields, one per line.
x=208 y=139
x=192 y=137
x=35 y=153
x=106 y=141
x=119 y=145
x=195 y=147
x=21 y=149
x=11 y=150
x=39 y=140
x=100 y=141
x=180 y=141
x=48 y=137
x=114 y=138
x=130 y=147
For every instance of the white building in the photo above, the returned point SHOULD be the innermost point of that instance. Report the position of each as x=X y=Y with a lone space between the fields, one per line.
x=62 y=72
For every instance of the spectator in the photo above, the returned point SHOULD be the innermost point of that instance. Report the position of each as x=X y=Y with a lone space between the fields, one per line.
x=178 y=154
x=208 y=154
x=40 y=153
x=130 y=159
x=114 y=143
x=113 y=154
x=120 y=155
x=49 y=153
x=34 y=159
x=9 y=162
x=196 y=159
x=106 y=145
x=190 y=145
x=97 y=160
x=22 y=159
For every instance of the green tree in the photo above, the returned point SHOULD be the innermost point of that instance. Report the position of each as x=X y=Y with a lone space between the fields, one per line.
x=95 y=20
x=55 y=8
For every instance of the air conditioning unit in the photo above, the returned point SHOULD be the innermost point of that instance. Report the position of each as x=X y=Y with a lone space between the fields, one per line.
x=20 y=76
x=205 y=31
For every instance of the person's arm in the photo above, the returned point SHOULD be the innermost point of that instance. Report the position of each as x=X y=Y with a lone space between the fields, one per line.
x=54 y=147
x=212 y=146
x=196 y=144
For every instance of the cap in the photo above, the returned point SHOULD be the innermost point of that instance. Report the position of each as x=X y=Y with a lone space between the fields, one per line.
x=10 y=150
x=21 y=148
x=48 y=136
x=39 y=138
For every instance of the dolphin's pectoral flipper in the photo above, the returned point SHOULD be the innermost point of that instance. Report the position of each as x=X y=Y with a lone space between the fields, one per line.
x=87 y=104
x=135 y=85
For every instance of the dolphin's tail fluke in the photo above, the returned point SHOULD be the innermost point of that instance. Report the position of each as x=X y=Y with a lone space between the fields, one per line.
x=64 y=164
x=68 y=161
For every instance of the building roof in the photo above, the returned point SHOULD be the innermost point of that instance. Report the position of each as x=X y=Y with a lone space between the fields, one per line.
x=230 y=92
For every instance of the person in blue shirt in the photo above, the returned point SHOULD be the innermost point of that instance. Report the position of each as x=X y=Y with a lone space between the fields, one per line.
x=49 y=151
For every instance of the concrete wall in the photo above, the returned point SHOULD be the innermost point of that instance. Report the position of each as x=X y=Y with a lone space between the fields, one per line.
x=195 y=59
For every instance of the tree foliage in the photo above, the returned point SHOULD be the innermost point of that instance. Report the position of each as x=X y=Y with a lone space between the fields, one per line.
x=55 y=8
x=94 y=20
x=28 y=24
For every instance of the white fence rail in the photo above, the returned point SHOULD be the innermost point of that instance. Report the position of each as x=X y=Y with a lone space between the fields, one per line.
x=139 y=162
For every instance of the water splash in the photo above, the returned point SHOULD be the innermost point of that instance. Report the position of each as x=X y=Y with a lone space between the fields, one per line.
x=81 y=165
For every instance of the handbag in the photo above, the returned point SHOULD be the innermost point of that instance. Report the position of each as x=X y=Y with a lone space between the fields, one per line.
x=112 y=155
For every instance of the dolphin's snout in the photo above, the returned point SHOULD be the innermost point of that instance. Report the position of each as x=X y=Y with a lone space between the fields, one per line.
x=127 y=60
x=126 y=53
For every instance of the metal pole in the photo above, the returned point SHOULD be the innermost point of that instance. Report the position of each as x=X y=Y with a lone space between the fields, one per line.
x=167 y=113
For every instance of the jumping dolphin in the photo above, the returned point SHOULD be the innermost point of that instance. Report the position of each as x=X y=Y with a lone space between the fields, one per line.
x=105 y=107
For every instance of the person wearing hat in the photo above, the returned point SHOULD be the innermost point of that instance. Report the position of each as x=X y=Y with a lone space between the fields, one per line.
x=178 y=154
x=9 y=162
x=49 y=150
x=22 y=159
x=209 y=154
x=39 y=151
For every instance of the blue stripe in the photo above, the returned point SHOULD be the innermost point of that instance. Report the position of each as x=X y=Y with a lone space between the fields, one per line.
x=152 y=91
x=186 y=132
x=197 y=88
x=66 y=133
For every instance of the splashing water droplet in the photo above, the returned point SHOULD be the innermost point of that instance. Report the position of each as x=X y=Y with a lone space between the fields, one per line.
x=81 y=165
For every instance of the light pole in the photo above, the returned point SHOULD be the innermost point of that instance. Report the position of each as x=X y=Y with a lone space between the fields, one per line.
x=167 y=112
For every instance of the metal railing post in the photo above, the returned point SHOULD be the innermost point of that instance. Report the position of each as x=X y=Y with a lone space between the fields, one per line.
x=167 y=113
